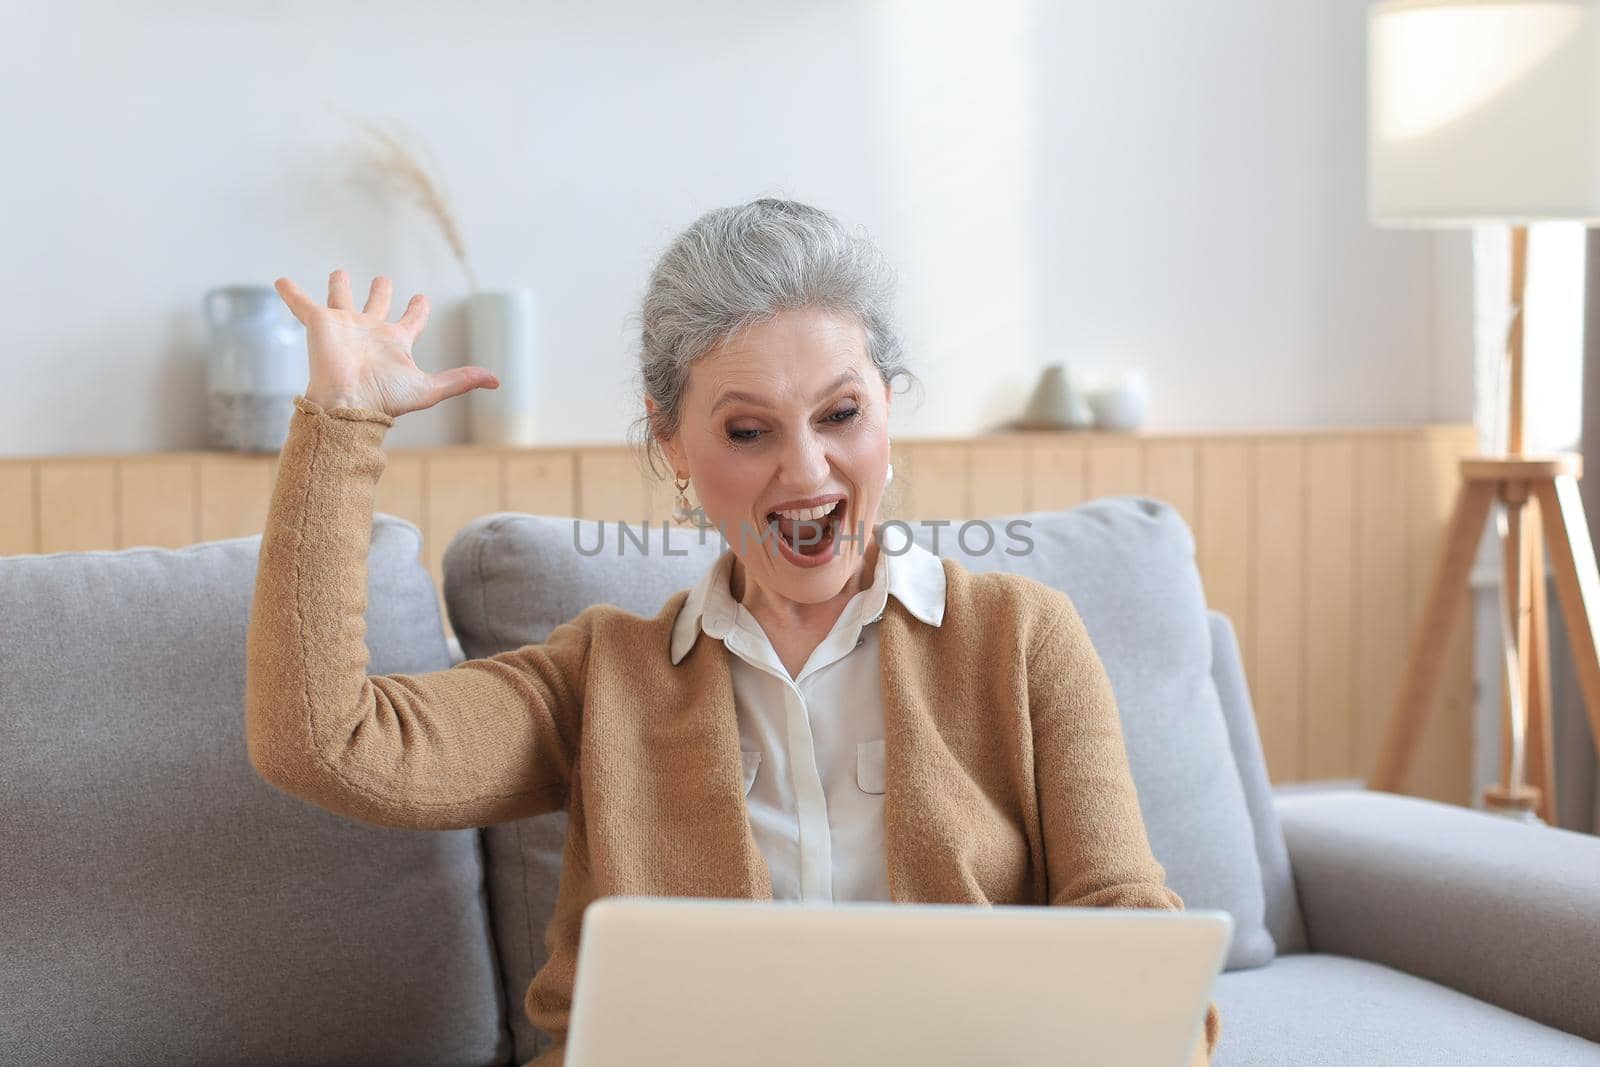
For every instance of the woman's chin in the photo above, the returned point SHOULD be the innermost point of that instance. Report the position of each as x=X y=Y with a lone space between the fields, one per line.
x=812 y=572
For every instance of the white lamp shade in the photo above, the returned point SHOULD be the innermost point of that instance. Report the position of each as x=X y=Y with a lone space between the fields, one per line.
x=1483 y=111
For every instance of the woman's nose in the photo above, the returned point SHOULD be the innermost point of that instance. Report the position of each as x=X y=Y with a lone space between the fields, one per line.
x=805 y=462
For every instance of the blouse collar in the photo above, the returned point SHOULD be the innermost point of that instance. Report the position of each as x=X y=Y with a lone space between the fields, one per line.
x=905 y=570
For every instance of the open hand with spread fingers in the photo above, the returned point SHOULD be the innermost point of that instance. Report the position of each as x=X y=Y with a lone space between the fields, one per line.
x=360 y=359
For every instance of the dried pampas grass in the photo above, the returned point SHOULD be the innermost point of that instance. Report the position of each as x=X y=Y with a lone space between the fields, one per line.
x=391 y=167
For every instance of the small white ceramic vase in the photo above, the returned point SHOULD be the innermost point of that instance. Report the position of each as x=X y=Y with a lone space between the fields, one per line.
x=502 y=329
x=1120 y=403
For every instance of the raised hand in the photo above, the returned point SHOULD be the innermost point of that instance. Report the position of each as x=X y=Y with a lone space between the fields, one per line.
x=360 y=359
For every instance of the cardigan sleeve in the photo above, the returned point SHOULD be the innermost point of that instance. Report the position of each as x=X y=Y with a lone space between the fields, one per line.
x=1097 y=852
x=484 y=741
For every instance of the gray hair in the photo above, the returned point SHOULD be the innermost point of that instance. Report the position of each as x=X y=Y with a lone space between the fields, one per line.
x=741 y=265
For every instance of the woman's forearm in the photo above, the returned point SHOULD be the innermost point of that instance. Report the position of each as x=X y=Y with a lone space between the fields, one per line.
x=484 y=741
x=305 y=649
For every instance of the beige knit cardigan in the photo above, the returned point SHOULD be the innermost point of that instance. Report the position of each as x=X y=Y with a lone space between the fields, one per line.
x=1007 y=780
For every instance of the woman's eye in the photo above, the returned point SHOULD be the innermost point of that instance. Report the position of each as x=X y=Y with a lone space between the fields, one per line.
x=746 y=436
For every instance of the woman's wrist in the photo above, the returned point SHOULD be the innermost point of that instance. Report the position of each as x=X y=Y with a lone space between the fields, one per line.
x=329 y=401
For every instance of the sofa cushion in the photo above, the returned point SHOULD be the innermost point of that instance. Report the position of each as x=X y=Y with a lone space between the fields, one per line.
x=1315 y=1010
x=1126 y=562
x=164 y=904
x=1283 y=917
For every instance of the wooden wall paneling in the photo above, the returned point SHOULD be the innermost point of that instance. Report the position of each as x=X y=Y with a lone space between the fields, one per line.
x=402 y=489
x=234 y=491
x=1000 y=478
x=1225 y=543
x=1115 y=467
x=659 y=495
x=1278 y=601
x=400 y=492
x=1060 y=472
x=1443 y=766
x=656 y=483
x=1382 y=589
x=1171 y=475
x=612 y=488
x=938 y=483
x=159 y=501
x=457 y=488
x=542 y=483
x=897 y=497
x=18 y=508
x=1328 y=742
x=77 y=505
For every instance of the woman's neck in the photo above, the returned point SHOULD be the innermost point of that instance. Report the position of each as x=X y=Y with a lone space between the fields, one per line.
x=778 y=613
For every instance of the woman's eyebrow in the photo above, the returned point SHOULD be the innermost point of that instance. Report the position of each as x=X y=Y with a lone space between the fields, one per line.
x=733 y=394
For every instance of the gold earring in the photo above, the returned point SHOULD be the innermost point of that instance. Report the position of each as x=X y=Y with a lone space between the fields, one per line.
x=683 y=514
x=680 y=507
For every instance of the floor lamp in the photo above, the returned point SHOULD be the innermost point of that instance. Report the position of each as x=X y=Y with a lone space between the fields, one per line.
x=1489 y=111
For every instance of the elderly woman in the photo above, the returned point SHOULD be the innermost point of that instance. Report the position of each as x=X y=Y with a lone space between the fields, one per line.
x=821 y=718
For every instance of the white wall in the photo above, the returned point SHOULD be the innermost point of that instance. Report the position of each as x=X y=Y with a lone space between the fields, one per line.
x=1173 y=186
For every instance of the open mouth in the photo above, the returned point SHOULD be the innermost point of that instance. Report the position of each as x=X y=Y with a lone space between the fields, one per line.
x=808 y=533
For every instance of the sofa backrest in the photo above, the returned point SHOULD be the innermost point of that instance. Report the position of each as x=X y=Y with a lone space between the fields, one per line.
x=1283 y=918
x=163 y=903
x=1127 y=563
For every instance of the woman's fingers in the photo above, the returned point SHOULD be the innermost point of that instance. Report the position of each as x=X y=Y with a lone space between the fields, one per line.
x=458 y=380
x=378 y=297
x=339 y=291
x=299 y=303
x=416 y=316
x=378 y=300
x=338 y=296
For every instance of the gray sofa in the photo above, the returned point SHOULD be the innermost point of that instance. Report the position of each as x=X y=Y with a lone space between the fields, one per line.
x=161 y=904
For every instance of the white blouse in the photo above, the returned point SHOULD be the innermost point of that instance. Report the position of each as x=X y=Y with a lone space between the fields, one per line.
x=813 y=743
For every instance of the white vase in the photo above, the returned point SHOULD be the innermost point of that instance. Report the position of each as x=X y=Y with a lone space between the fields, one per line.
x=502 y=327
x=1120 y=403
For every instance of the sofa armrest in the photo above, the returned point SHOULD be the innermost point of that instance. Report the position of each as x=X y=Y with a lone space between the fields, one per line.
x=1504 y=911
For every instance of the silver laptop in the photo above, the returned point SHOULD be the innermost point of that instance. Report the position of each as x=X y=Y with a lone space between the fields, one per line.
x=674 y=982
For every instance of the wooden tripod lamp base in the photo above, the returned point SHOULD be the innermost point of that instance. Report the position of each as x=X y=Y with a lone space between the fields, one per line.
x=1550 y=483
x=1460 y=134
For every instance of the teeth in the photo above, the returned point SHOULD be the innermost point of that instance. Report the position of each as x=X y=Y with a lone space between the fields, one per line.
x=801 y=514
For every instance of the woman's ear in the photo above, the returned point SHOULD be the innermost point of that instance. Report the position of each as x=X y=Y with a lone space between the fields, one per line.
x=669 y=445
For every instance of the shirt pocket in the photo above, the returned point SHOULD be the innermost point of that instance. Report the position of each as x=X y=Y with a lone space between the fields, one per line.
x=752 y=760
x=869 y=766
